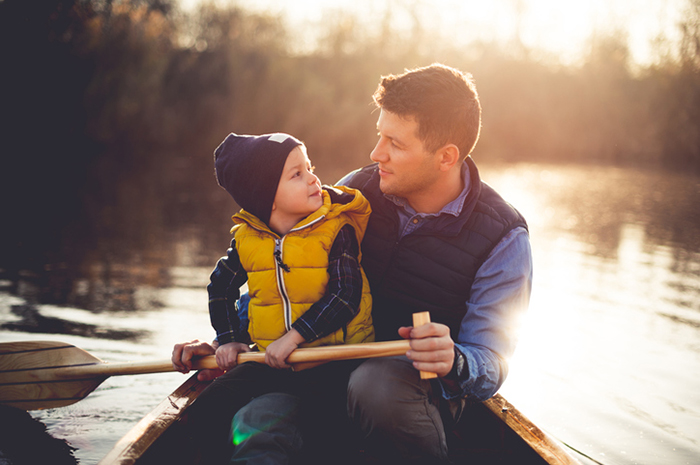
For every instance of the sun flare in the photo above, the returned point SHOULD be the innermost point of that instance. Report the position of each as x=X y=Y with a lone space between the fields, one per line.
x=559 y=28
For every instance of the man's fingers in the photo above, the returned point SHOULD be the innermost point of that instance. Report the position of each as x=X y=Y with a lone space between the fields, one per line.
x=430 y=344
x=186 y=357
x=432 y=356
x=184 y=353
x=208 y=375
x=179 y=358
x=175 y=358
x=405 y=332
x=432 y=348
x=430 y=330
x=441 y=368
x=433 y=361
x=431 y=337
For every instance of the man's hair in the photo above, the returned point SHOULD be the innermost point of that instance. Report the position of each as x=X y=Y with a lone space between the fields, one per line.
x=442 y=100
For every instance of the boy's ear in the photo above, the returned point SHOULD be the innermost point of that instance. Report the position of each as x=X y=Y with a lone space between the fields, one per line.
x=449 y=156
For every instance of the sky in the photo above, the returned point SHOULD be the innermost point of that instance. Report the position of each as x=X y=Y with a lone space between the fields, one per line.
x=559 y=27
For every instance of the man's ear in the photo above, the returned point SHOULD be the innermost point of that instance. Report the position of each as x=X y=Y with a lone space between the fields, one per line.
x=449 y=156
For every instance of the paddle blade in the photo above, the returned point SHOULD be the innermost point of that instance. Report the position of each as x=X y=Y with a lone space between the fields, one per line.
x=30 y=374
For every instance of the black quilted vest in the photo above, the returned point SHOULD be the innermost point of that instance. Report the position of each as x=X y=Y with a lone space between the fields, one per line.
x=434 y=267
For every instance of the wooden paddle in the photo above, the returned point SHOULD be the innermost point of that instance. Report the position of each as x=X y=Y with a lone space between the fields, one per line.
x=420 y=319
x=44 y=374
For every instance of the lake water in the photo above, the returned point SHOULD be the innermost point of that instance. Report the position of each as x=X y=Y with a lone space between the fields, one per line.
x=609 y=354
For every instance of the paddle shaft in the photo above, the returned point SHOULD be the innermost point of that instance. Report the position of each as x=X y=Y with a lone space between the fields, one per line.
x=314 y=354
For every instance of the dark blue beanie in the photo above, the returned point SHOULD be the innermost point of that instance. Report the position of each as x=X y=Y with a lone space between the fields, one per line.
x=249 y=168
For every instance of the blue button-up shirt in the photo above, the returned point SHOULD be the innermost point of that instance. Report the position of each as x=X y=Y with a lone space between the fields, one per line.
x=499 y=297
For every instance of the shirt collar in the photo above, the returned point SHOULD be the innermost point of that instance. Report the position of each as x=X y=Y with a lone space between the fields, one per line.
x=453 y=208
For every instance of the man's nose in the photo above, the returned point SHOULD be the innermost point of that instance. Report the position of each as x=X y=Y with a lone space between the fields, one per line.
x=378 y=153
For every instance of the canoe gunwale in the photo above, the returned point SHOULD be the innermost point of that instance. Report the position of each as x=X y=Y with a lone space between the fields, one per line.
x=546 y=446
x=137 y=441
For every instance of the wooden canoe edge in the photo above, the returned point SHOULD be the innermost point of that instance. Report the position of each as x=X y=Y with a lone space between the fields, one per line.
x=547 y=447
x=137 y=441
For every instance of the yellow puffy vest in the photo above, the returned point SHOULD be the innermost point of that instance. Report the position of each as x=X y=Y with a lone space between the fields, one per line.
x=279 y=297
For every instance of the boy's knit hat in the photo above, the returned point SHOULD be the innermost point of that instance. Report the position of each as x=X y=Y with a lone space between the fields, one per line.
x=249 y=168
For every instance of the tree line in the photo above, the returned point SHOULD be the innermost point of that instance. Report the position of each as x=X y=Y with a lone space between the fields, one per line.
x=111 y=109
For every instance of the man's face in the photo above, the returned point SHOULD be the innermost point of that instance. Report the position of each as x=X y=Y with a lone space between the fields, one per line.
x=406 y=169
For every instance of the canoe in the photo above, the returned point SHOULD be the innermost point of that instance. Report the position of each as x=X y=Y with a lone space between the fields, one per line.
x=496 y=433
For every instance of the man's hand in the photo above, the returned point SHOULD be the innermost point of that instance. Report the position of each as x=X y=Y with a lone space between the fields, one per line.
x=432 y=348
x=185 y=352
x=276 y=353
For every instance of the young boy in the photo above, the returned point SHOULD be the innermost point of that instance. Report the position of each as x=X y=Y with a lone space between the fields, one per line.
x=296 y=244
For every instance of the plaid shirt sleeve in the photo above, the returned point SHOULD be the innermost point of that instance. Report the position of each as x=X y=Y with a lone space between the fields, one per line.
x=341 y=302
x=224 y=284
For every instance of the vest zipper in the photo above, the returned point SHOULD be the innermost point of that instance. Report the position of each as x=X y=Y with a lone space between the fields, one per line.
x=280 y=267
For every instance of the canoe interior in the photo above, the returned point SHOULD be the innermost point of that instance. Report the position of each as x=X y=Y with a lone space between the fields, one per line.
x=482 y=439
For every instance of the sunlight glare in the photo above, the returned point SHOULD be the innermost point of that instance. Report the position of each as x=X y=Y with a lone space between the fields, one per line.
x=562 y=28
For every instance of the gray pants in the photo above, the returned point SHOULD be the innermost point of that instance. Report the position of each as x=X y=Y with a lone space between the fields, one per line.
x=266 y=430
x=397 y=416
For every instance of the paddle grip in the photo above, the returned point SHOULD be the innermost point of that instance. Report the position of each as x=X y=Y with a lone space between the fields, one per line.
x=420 y=319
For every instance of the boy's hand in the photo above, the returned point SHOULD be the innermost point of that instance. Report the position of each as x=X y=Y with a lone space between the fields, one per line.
x=276 y=353
x=227 y=354
x=432 y=348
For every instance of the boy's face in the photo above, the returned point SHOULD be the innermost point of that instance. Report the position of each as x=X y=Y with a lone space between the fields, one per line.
x=299 y=190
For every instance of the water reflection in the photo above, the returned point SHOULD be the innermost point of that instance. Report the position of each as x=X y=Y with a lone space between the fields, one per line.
x=31 y=320
x=610 y=347
x=596 y=203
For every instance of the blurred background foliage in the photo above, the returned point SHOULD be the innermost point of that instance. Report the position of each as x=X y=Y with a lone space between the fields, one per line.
x=111 y=109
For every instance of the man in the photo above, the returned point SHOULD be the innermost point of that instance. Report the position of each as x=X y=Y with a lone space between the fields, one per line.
x=440 y=240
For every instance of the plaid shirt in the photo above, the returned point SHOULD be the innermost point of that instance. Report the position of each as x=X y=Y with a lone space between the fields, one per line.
x=335 y=309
